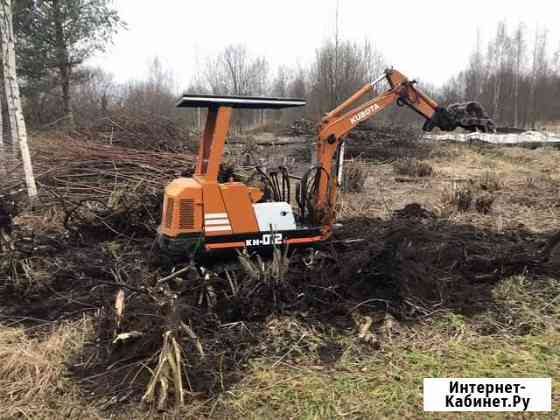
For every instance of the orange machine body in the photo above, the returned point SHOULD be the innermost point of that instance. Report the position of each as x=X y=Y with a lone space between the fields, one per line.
x=200 y=213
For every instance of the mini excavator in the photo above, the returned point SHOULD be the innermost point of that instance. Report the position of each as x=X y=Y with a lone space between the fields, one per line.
x=201 y=214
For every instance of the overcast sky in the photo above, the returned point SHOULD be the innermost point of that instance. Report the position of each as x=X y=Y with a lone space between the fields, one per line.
x=429 y=40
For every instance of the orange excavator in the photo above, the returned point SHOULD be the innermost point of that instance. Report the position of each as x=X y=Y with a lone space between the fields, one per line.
x=201 y=214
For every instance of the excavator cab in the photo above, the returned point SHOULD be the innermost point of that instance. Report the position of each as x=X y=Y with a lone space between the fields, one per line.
x=202 y=214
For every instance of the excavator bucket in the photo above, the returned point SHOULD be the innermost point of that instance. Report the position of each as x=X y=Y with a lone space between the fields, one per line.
x=468 y=115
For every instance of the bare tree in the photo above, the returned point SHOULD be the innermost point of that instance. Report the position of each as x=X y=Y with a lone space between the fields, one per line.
x=280 y=82
x=93 y=97
x=518 y=82
x=538 y=72
x=236 y=72
x=475 y=74
x=335 y=99
x=497 y=53
x=155 y=96
x=519 y=51
x=12 y=91
x=297 y=88
x=335 y=75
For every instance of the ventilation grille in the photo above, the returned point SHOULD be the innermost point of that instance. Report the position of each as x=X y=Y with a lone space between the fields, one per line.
x=186 y=214
x=169 y=213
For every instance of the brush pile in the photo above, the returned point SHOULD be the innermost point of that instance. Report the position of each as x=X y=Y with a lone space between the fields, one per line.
x=302 y=127
x=385 y=142
x=369 y=132
x=101 y=189
x=380 y=142
x=145 y=131
x=365 y=133
x=82 y=169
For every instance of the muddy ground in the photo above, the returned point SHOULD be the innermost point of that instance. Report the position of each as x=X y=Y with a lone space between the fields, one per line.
x=426 y=263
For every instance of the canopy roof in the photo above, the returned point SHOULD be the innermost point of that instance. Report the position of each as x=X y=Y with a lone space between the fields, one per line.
x=243 y=102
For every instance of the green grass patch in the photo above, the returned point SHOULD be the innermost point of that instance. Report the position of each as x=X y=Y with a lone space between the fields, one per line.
x=387 y=383
x=517 y=336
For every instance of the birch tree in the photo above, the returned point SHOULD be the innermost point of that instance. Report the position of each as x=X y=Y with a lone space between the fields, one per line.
x=2 y=153
x=538 y=73
x=10 y=116
x=236 y=71
x=12 y=92
x=519 y=48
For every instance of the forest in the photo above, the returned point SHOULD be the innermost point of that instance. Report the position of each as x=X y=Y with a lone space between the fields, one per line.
x=515 y=75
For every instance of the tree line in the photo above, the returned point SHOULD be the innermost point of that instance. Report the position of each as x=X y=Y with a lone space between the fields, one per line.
x=516 y=75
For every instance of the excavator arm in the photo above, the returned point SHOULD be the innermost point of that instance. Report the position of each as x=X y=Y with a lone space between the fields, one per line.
x=338 y=123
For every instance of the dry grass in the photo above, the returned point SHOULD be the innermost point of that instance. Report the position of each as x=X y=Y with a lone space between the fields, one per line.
x=34 y=380
x=457 y=198
x=526 y=306
x=354 y=176
x=489 y=181
x=483 y=203
x=365 y=383
x=412 y=167
x=472 y=195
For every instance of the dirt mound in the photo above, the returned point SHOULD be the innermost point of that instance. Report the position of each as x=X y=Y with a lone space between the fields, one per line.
x=431 y=262
x=414 y=210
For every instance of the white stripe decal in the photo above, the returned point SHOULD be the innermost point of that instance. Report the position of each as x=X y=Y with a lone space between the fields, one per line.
x=216 y=216
x=217 y=228
x=216 y=222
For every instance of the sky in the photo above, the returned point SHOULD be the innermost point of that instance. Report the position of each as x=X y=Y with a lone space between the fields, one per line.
x=428 y=40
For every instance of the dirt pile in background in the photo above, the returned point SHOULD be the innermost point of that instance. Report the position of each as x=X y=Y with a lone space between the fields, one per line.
x=371 y=141
x=433 y=263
